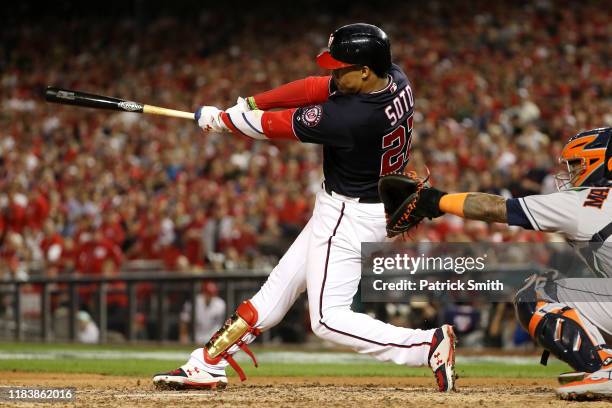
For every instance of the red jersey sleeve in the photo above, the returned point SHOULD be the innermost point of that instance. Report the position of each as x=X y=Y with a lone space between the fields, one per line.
x=303 y=92
x=279 y=125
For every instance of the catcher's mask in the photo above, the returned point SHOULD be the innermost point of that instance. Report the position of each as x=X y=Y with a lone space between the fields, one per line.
x=588 y=157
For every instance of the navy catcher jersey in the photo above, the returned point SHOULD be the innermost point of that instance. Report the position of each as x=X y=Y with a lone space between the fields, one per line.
x=363 y=135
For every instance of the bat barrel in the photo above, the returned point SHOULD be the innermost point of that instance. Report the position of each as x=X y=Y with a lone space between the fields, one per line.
x=77 y=98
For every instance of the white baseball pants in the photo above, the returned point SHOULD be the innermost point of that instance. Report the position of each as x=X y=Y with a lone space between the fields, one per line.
x=325 y=259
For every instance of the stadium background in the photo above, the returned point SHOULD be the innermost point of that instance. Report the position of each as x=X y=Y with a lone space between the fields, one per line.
x=499 y=86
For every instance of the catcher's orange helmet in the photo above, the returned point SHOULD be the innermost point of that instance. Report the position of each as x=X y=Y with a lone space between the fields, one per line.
x=588 y=157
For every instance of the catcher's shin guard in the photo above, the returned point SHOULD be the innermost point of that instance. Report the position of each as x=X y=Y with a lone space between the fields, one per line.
x=235 y=334
x=560 y=330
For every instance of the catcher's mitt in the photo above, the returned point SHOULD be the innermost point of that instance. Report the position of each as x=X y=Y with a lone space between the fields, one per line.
x=407 y=199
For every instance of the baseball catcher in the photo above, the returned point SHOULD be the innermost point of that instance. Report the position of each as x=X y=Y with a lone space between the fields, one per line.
x=577 y=332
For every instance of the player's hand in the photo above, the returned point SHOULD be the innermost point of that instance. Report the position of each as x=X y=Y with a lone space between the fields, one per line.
x=241 y=106
x=209 y=119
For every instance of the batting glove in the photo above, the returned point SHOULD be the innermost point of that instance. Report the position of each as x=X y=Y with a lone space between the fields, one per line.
x=209 y=119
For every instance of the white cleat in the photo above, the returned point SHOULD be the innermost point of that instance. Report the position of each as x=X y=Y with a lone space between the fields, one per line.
x=593 y=385
x=442 y=358
x=189 y=377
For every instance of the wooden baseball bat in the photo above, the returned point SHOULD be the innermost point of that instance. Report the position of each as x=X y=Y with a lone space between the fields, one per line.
x=77 y=98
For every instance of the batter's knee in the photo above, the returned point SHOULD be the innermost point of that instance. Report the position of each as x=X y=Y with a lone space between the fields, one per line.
x=318 y=328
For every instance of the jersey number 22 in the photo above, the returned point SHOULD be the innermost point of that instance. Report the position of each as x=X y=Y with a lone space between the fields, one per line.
x=396 y=148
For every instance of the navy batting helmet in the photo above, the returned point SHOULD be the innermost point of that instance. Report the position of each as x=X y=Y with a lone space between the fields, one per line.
x=357 y=44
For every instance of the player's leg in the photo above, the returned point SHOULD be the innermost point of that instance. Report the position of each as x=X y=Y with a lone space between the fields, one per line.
x=592 y=299
x=206 y=365
x=333 y=275
x=560 y=317
x=286 y=283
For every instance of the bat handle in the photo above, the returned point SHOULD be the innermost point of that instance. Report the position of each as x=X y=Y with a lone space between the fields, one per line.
x=156 y=110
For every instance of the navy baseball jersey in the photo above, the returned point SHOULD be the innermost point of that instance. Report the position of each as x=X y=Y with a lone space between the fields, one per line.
x=363 y=135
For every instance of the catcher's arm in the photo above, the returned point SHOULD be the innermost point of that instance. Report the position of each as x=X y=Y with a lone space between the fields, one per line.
x=475 y=206
x=408 y=199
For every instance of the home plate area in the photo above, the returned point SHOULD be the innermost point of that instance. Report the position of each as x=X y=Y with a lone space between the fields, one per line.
x=116 y=391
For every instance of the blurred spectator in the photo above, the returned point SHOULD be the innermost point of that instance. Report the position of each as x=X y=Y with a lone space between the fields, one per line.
x=465 y=318
x=498 y=91
x=86 y=329
x=493 y=106
x=209 y=314
x=88 y=332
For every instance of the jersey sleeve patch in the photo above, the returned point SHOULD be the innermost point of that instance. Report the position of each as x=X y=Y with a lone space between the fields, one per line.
x=311 y=116
x=324 y=124
x=516 y=215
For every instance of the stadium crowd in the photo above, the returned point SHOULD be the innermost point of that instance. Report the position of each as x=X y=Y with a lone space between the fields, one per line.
x=497 y=93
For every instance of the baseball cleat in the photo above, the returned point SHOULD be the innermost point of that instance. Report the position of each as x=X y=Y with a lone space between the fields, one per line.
x=189 y=377
x=566 y=378
x=442 y=358
x=593 y=385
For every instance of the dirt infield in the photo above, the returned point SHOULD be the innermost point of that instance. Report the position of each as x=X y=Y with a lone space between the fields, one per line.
x=110 y=391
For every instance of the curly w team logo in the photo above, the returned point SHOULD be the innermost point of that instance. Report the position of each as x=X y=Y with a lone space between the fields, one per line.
x=312 y=116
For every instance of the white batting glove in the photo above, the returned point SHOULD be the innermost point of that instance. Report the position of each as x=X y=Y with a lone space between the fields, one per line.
x=241 y=106
x=209 y=119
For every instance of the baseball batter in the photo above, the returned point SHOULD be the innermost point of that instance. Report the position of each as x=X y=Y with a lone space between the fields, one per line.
x=362 y=115
x=570 y=318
